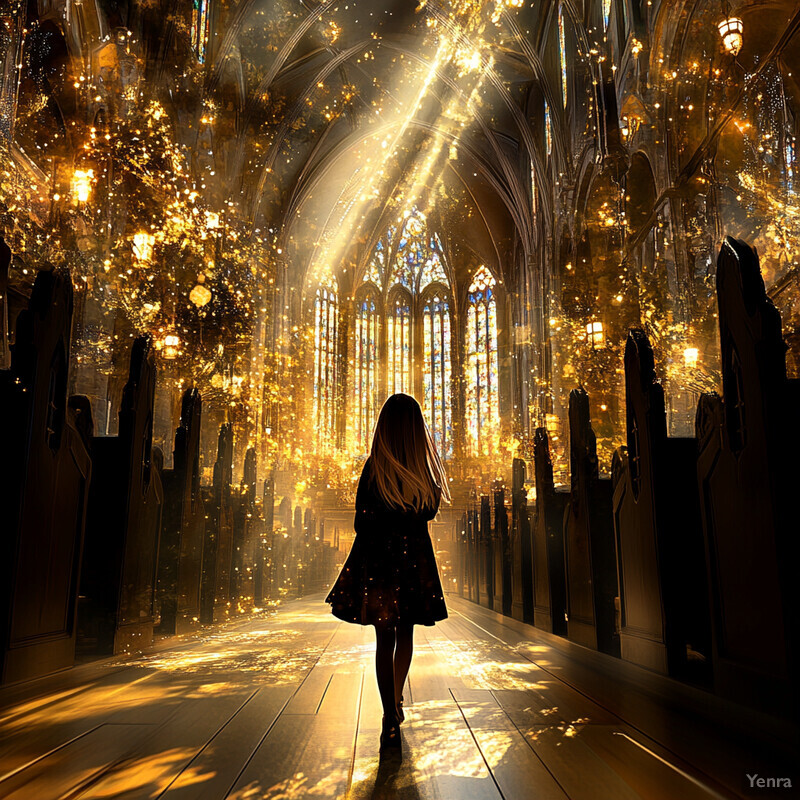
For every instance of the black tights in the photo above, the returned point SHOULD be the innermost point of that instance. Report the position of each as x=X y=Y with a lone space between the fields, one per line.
x=393 y=652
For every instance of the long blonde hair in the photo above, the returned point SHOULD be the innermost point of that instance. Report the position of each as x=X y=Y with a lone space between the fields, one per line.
x=407 y=471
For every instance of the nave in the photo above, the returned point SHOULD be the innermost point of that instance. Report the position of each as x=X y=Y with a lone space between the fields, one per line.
x=284 y=704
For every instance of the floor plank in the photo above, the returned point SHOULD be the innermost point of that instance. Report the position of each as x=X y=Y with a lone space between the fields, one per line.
x=213 y=771
x=513 y=762
x=75 y=766
x=148 y=768
x=286 y=706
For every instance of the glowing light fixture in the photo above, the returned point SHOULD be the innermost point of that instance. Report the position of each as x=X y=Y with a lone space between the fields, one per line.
x=553 y=424
x=169 y=345
x=82 y=184
x=690 y=357
x=731 y=32
x=200 y=295
x=595 y=334
x=143 y=246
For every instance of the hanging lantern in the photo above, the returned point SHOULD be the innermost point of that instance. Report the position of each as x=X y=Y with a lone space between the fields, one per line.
x=731 y=32
x=82 y=184
x=143 y=246
x=200 y=295
x=169 y=345
x=594 y=334
x=690 y=355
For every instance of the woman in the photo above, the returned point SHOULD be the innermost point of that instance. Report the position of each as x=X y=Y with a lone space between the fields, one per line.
x=390 y=579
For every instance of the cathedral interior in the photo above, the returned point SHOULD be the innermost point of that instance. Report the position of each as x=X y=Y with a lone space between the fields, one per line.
x=231 y=229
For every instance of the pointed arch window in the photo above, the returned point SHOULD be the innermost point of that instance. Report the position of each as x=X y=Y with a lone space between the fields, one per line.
x=482 y=409
x=408 y=268
x=436 y=368
x=433 y=268
x=399 y=341
x=326 y=327
x=366 y=364
x=562 y=54
x=376 y=269
x=200 y=9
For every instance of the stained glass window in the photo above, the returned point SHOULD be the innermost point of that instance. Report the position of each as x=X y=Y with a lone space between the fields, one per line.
x=562 y=53
x=376 y=269
x=433 y=268
x=533 y=188
x=436 y=378
x=789 y=157
x=326 y=322
x=548 y=129
x=410 y=261
x=366 y=366
x=482 y=410
x=200 y=10
x=606 y=13
x=399 y=342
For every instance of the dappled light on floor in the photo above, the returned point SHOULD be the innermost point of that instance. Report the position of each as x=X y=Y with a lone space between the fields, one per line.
x=148 y=776
x=286 y=707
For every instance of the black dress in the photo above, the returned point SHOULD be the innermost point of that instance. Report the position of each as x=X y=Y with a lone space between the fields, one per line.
x=390 y=575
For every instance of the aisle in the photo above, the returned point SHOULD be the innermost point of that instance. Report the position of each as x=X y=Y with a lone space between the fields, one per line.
x=285 y=706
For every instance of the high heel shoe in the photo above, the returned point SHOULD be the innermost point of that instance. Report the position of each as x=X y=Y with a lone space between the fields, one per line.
x=390 y=735
x=400 y=715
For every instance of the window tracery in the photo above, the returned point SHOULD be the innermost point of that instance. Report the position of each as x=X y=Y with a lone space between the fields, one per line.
x=482 y=409
x=200 y=19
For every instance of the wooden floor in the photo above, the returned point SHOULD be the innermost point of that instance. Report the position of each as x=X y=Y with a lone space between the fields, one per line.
x=285 y=705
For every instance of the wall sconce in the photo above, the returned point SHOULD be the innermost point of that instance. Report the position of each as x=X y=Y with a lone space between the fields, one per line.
x=595 y=335
x=731 y=32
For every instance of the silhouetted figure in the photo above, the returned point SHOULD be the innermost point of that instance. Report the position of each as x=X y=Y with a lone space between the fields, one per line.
x=390 y=579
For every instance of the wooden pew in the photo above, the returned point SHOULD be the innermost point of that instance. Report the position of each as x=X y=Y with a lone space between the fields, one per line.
x=473 y=551
x=246 y=526
x=521 y=547
x=180 y=559
x=118 y=579
x=749 y=474
x=263 y=589
x=501 y=554
x=486 y=554
x=282 y=548
x=5 y=327
x=589 y=550
x=218 y=545
x=660 y=556
x=44 y=480
x=549 y=586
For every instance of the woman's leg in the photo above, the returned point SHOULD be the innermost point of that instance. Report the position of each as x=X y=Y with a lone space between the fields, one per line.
x=384 y=669
x=402 y=657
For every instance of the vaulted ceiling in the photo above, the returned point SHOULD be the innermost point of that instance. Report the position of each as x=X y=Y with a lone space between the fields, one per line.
x=372 y=107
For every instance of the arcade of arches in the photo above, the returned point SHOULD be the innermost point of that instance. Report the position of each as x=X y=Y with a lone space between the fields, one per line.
x=310 y=206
